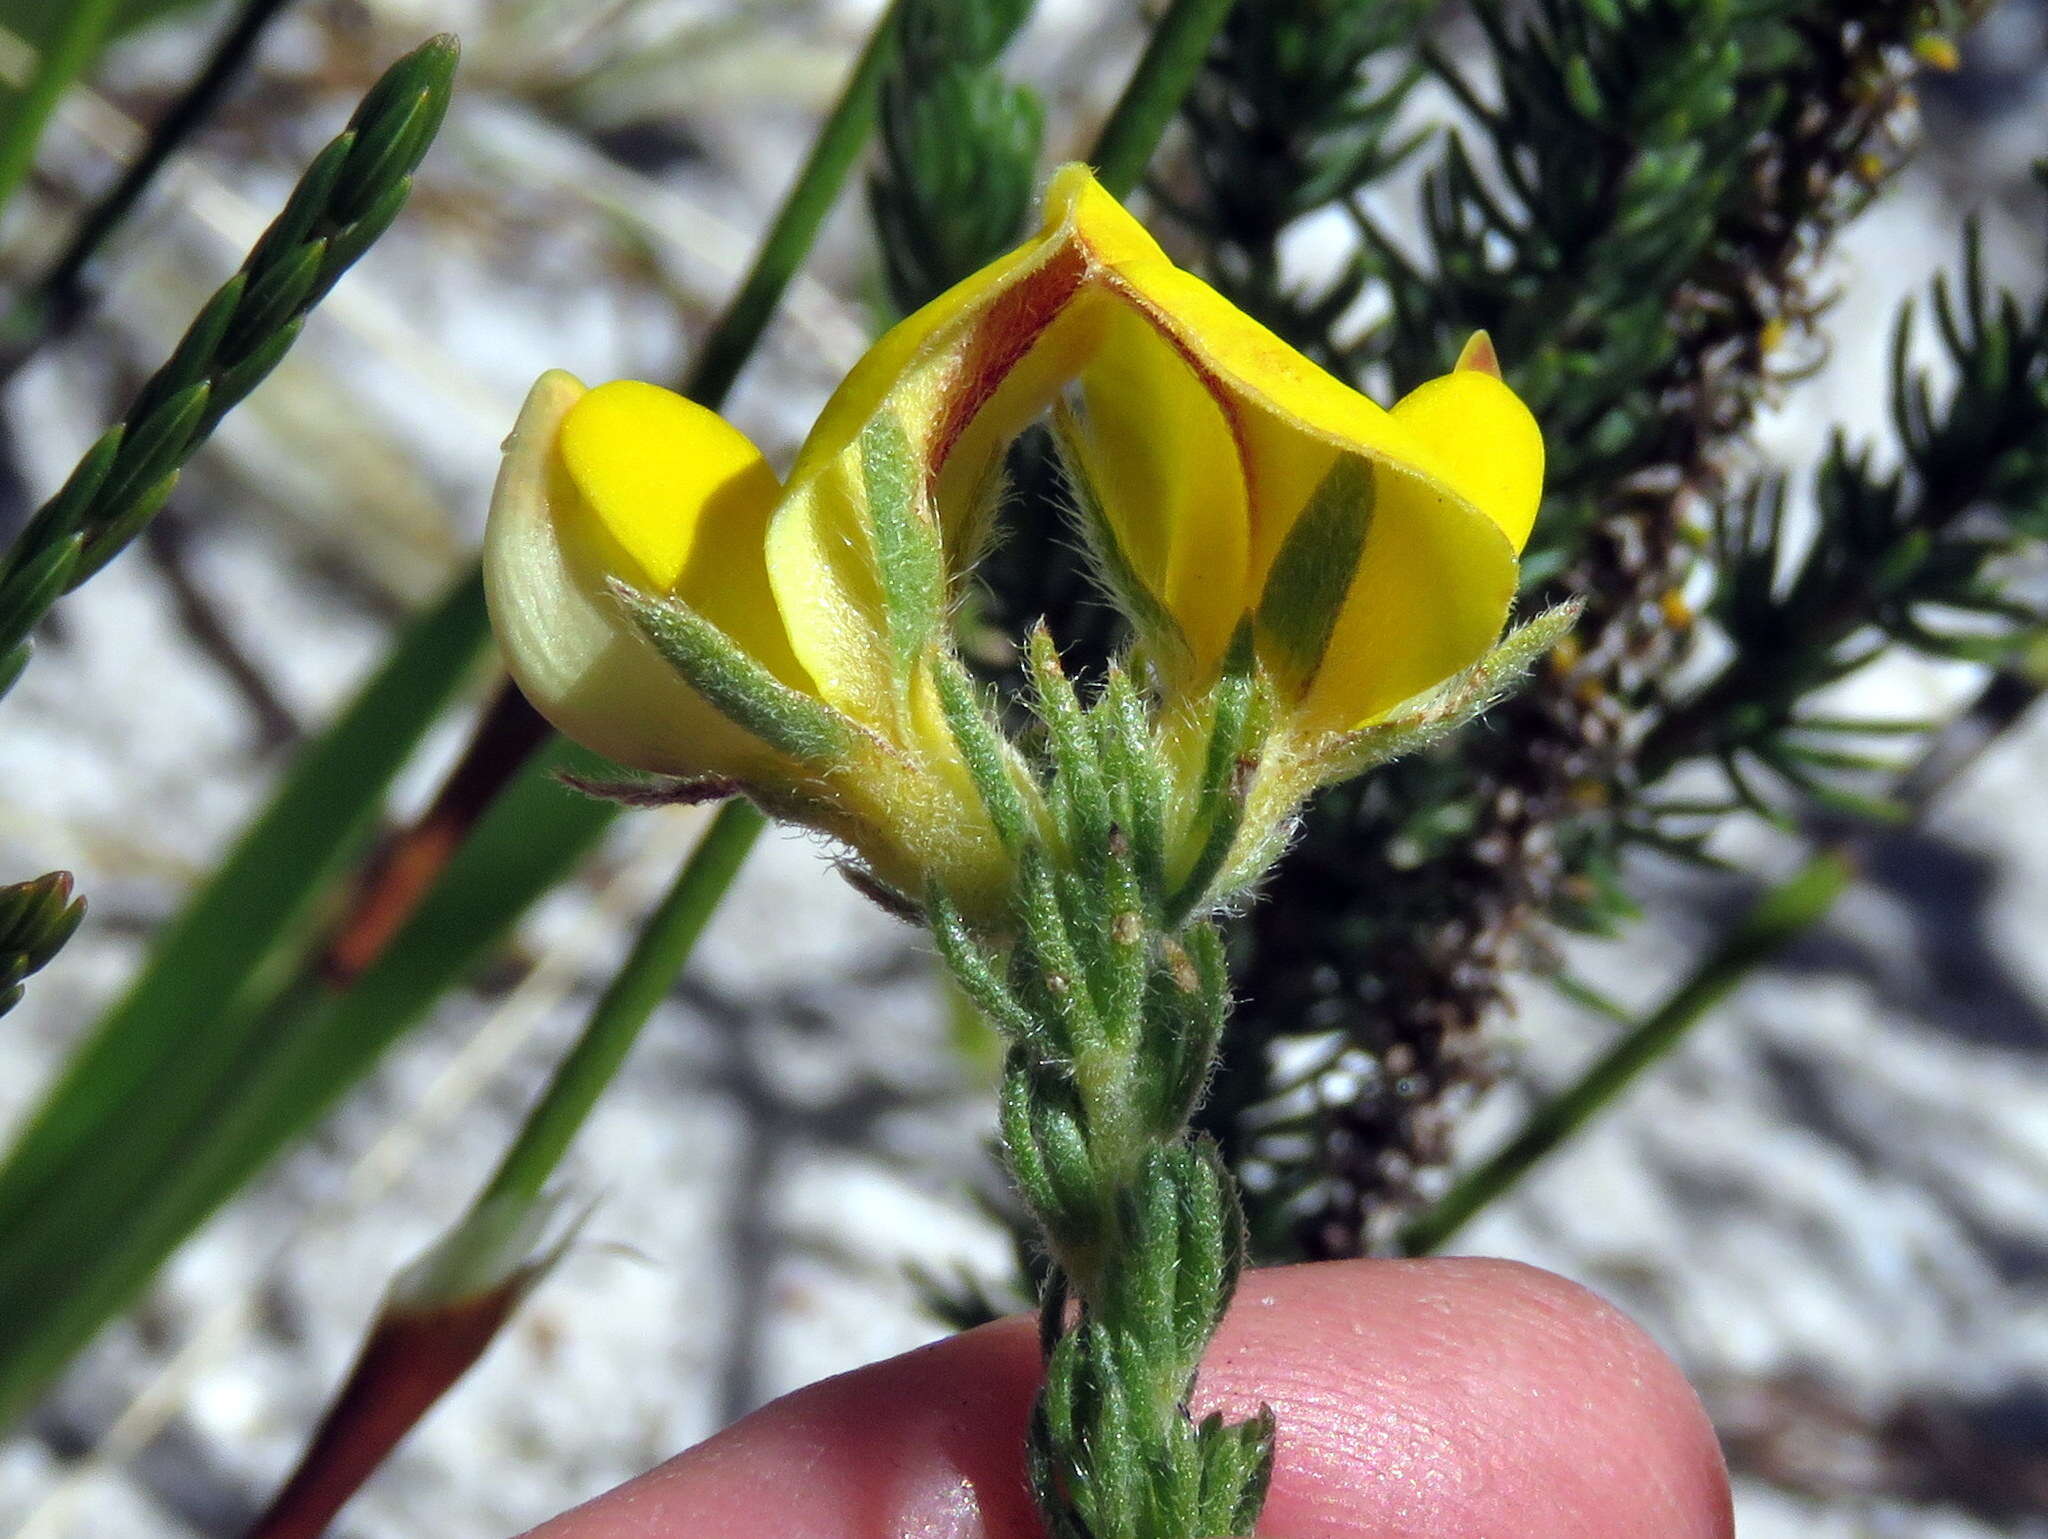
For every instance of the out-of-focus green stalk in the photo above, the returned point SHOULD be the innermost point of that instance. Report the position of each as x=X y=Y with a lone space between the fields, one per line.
x=217 y=953
x=789 y=239
x=1173 y=57
x=447 y=1309
x=1780 y=916
x=62 y=55
x=51 y=303
x=166 y=1157
x=293 y=1045
x=658 y=955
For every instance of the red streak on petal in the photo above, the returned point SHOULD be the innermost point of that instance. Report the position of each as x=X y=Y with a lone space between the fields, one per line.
x=1013 y=323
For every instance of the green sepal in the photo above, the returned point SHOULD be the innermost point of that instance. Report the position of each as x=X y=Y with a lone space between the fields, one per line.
x=1227 y=768
x=1189 y=998
x=1085 y=907
x=1107 y=1487
x=1142 y=1291
x=908 y=560
x=1125 y=943
x=1132 y=768
x=1060 y=1138
x=1237 y=1468
x=1020 y=1139
x=1048 y=963
x=982 y=749
x=1054 y=1431
x=1212 y=1245
x=726 y=675
x=977 y=973
x=1077 y=772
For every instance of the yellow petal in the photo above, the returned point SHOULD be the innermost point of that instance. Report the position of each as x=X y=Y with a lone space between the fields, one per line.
x=821 y=570
x=1162 y=458
x=574 y=654
x=1292 y=415
x=1459 y=470
x=1487 y=446
x=1431 y=594
x=941 y=367
x=679 y=502
x=1211 y=435
x=962 y=377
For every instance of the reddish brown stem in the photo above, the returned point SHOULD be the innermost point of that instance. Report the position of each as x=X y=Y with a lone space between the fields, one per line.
x=505 y=738
x=411 y=1359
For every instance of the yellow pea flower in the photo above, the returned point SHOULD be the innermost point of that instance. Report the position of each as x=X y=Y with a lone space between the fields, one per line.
x=629 y=489
x=664 y=601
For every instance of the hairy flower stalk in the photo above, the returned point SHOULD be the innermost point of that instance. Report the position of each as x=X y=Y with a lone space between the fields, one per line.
x=1312 y=583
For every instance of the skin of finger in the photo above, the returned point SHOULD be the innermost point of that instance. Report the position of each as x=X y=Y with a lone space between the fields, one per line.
x=1446 y=1399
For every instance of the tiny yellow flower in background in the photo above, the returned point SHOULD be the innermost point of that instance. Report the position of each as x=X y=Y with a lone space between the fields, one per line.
x=1937 y=52
x=664 y=601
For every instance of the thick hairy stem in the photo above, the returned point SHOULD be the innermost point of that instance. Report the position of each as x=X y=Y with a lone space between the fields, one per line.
x=1115 y=1022
x=1113 y=997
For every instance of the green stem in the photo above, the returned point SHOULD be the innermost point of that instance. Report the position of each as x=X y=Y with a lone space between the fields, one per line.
x=1172 y=59
x=1780 y=916
x=52 y=303
x=840 y=140
x=60 y=60
x=448 y=1308
x=462 y=914
x=664 y=945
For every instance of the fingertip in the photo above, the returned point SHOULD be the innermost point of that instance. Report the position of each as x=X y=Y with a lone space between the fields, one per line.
x=1455 y=1396
x=926 y=1444
x=1435 y=1400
